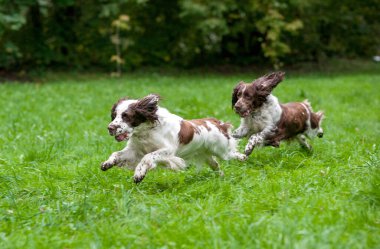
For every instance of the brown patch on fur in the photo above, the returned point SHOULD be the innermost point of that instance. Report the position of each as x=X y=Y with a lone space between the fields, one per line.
x=222 y=127
x=236 y=91
x=200 y=122
x=189 y=127
x=147 y=107
x=143 y=110
x=254 y=95
x=186 y=133
x=315 y=118
x=292 y=122
x=113 y=110
x=267 y=82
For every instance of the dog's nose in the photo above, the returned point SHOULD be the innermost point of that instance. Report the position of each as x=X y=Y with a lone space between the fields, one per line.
x=237 y=108
x=112 y=129
x=320 y=134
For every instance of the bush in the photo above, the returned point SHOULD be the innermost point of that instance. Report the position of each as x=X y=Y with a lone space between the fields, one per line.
x=184 y=33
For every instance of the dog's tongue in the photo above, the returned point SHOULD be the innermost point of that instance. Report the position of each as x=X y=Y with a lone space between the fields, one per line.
x=122 y=137
x=245 y=114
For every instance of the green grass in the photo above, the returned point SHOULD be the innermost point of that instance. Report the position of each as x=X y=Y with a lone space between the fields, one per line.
x=53 y=194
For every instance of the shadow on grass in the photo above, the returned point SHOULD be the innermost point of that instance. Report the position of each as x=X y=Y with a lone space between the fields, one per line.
x=164 y=180
x=286 y=157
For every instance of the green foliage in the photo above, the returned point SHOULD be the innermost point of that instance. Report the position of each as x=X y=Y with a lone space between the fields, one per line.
x=40 y=33
x=53 y=194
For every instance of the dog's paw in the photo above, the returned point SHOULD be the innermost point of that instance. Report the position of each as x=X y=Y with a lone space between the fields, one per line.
x=248 y=150
x=221 y=173
x=239 y=156
x=237 y=135
x=138 y=178
x=106 y=165
x=242 y=157
x=307 y=147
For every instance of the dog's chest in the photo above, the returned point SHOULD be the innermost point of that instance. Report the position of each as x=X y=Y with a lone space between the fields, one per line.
x=262 y=118
x=268 y=115
x=258 y=123
x=147 y=142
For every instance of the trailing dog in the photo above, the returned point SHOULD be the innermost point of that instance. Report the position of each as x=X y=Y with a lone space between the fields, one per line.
x=266 y=122
x=157 y=136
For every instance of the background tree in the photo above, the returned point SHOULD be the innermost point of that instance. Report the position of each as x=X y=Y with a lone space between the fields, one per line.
x=185 y=33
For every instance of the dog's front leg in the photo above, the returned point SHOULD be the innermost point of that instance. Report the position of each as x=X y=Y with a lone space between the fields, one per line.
x=148 y=162
x=258 y=139
x=242 y=131
x=118 y=158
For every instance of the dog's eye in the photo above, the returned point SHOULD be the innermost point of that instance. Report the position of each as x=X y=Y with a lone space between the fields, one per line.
x=247 y=96
x=124 y=116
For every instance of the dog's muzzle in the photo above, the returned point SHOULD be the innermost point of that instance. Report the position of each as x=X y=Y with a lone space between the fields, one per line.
x=112 y=129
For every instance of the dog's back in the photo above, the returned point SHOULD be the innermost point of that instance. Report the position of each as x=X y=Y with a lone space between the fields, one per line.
x=207 y=136
x=297 y=118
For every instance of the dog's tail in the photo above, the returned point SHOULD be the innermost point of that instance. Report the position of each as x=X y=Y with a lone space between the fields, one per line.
x=319 y=114
x=308 y=104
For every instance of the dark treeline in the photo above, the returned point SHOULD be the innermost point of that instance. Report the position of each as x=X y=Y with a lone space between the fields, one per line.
x=184 y=33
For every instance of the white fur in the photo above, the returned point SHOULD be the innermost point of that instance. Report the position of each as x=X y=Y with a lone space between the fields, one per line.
x=153 y=143
x=263 y=121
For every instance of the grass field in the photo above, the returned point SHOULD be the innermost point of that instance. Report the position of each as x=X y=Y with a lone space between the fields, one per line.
x=53 y=194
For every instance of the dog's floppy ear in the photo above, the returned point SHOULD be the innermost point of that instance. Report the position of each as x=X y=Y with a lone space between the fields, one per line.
x=151 y=99
x=147 y=107
x=268 y=82
x=235 y=93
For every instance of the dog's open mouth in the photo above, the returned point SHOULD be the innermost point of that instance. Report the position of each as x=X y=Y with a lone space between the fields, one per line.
x=122 y=137
x=244 y=114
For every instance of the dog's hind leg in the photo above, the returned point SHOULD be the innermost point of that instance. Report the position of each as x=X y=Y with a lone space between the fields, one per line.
x=175 y=163
x=214 y=165
x=303 y=142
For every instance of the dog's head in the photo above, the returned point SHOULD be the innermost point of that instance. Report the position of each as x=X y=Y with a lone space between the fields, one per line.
x=248 y=97
x=128 y=114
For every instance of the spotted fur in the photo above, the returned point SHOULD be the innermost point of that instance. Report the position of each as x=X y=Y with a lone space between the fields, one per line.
x=157 y=136
x=267 y=122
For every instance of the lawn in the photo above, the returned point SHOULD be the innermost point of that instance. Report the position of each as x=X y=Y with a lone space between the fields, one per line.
x=53 y=194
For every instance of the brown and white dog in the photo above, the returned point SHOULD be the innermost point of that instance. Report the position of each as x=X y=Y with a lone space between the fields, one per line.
x=157 y=136
x=267 y=122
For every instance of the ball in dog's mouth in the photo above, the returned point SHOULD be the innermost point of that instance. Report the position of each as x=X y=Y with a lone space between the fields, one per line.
x=122 y=137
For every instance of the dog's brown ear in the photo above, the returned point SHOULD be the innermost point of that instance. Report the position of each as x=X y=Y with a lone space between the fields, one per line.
x=151 y=99
x=147 y=107
x=235 y=93
x=268 y=82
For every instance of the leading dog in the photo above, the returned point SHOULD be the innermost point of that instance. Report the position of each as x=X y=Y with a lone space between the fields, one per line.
x=157 y=136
